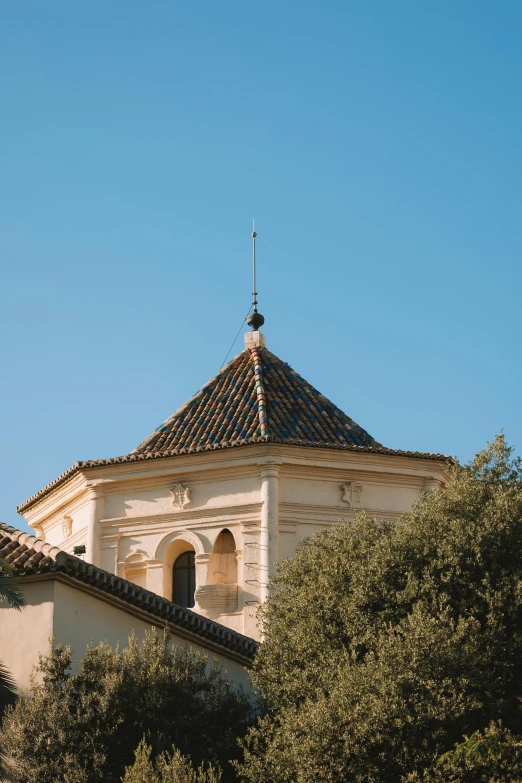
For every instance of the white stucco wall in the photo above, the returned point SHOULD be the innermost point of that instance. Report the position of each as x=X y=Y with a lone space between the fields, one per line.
x=208 y=494
x=26 y=633
x=53 y=530
x=81 y=619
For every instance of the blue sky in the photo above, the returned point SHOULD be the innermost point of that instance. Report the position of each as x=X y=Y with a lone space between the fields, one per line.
x=378 y=146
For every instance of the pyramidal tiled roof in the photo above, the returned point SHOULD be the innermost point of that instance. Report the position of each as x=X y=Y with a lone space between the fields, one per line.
x=256 y=398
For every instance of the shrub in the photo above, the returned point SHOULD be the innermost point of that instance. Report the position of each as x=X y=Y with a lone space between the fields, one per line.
x=83 y=728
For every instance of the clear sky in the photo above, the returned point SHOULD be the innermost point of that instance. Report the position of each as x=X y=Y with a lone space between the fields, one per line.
x=377 y=144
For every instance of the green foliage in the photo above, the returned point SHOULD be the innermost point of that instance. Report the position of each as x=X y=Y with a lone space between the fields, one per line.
x=384 y=644
x=83 y=728
x=490 y=756
x=167 y=768
x=10 y=593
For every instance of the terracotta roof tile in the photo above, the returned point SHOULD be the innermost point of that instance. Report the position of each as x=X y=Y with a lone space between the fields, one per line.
x=257 y=397
x=29 y=556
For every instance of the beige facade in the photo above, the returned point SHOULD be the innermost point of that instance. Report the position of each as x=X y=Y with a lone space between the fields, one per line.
x=239 y=510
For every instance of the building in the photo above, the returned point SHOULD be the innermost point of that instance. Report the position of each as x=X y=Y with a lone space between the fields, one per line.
x=77 y=604
x=255 y=463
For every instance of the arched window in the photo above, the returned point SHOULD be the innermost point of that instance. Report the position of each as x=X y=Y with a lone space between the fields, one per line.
x=184 y=580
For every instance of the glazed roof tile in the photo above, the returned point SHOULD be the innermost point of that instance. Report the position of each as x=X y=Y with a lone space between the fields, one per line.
x=256 y=398
x=30 y=556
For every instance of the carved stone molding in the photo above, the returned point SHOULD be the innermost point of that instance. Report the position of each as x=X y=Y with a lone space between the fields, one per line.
x=351 y=493
x=67 y=526
x=181 y=496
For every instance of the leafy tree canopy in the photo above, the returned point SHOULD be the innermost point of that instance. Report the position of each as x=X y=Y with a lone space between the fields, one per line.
x=385 y=644
x=83 y=728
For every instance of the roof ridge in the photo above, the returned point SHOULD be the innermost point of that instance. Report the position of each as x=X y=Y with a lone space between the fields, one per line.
x=262 y=411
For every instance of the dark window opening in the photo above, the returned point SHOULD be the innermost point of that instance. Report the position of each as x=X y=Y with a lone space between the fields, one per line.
x=184 y=580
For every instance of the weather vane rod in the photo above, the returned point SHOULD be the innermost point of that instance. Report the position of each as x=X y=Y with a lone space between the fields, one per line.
x=255 y=319
x=254 y=292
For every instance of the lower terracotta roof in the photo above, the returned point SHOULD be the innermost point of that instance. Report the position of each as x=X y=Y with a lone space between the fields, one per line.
x=29 y=556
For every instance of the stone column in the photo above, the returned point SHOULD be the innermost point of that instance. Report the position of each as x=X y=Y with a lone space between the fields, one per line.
x=269 y=539
x=96 y=512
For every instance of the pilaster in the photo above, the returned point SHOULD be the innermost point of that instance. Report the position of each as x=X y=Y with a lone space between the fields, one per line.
x=109 y=551
x=269 y=534
x=96 y=512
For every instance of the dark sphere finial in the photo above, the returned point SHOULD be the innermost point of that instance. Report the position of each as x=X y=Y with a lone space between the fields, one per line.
x=255 y=320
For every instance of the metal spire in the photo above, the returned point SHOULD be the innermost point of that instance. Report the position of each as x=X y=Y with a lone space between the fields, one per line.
x=255 y=319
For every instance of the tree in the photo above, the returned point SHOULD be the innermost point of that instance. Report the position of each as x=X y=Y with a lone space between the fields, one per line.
x=84 y=727
x=385 y=644
x=167 y=768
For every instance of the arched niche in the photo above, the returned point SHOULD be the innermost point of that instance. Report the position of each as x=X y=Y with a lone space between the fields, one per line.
x=222 y=567
x=219 y=594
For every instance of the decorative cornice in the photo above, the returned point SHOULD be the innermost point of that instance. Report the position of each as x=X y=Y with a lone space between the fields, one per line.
x=307 y=514
x=131 y=458
x=199 y=517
